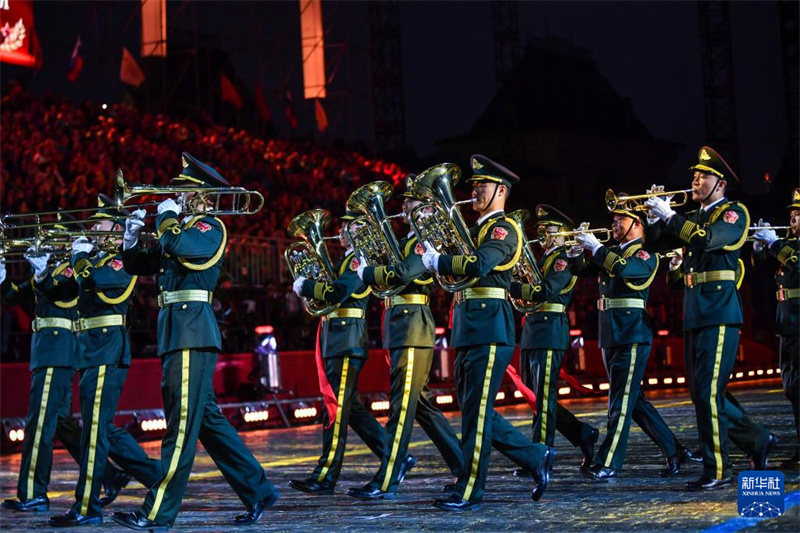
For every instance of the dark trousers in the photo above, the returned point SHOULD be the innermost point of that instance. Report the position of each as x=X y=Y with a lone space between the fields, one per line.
x=409 y=375
x=192 y=413
x=625 y=366
x=342 y=373
x=790 y=376
x=540 y=369
x=100 y=388
x=479 y=371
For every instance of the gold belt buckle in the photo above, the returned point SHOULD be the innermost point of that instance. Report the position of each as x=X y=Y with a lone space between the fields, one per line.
x=782 y=295
x=689 y=279
x=601 y=304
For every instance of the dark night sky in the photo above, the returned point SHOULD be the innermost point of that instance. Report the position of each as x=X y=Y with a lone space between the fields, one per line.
x=649 y=52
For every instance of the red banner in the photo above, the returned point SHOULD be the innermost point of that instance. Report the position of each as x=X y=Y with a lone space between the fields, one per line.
x=17 y=32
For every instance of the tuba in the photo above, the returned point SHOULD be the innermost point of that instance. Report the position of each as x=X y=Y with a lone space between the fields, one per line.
x=526 y=271
x=438 y=222
x=371 y=234
x=309 y=257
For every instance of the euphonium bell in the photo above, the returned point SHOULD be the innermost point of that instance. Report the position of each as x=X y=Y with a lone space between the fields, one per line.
x=309 y=257
x=371 y=234
x=526 y=271
x=438 y=222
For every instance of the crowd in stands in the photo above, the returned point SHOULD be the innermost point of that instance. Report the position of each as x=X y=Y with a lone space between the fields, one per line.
x=60 y=154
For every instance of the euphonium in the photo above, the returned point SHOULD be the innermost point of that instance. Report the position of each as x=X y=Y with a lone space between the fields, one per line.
x=438 y=222
x=309 y=257
x=371 y=234
x=526 y=271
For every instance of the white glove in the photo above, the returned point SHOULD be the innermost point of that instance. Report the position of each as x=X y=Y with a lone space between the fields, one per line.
x=169 y=205
x=362 y=264
x=659 y=207
x=588 y=241
x=676 y=260
x=430 y=258
x=758 y=246
x=133 y=225
x=575 y=251
x=38 y=262
x=82 y=244
x=766 y=235
x=2 y=271
x=297 y=286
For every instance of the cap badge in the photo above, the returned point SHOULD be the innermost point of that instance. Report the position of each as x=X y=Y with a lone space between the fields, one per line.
x=704 y=155
x=476 y=165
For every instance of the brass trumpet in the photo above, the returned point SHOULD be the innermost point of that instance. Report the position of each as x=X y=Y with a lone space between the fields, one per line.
x=753 y=229
x=309 y=257
x=371 y=234
x=542 y=234
x=634 y=202
x=526 y=271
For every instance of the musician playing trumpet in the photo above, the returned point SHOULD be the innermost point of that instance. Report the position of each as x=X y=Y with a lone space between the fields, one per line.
x=545 y=337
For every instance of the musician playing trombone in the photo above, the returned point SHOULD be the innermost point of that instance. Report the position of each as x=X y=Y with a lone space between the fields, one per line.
x=545 y=337
x=54 y=292
x=625 y=272
x=187 y=260
x=104 y=292
x=787 y=320
x=483 y=336
x=342 y=351
x=409 y=335
x=713 y=237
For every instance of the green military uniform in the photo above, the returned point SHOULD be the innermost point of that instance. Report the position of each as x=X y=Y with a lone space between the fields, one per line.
x=483 y=337
x=625 y=273
x=545 y=339
x=787 y=322
x=187 y=261
x=409 y=335
x=103 y=359
x=712 y=317
x=344 y=346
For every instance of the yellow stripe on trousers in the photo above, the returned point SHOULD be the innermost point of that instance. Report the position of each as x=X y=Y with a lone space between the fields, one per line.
x=89 y=466
x=37 y=436
x=476 y=454
x=623 y=413
x=176 y=453
x=337 y=425
x=398 y=432
x=713 y=401
x=546 y=398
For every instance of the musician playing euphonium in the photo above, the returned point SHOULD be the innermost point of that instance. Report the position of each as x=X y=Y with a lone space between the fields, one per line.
x=545 y=338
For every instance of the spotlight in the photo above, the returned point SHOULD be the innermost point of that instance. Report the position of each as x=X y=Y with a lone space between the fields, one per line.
x=667 y=381
x=379 y=405
x=303 y=412
x=563 y=391
x=603 y=386
x=652 y=381
x=517 y=395
x=681 y=380
x=444 y=399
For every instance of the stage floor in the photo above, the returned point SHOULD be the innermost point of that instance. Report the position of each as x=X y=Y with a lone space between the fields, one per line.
x=639 y=500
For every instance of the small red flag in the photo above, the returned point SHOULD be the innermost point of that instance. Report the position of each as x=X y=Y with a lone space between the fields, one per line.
x=322 y=117
x=291 y=116
x=75 y=62
x=229 y=93
x=263 y=109
x=129 y=71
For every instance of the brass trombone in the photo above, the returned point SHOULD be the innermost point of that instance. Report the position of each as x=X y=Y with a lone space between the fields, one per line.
x=542 y=234
x=633 y=202
x=208 y=200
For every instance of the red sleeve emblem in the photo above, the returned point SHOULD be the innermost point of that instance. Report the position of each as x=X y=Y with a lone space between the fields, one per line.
x=67 y=272
x=419 y=249
x=641 y=254
x=354 y=264
x=203 y=226
x=499 y=233
x=116 y=264
x=560 y=265
x=730 y=217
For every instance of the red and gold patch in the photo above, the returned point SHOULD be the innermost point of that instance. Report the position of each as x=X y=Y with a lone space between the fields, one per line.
x=203 y=226
x=67 y=272
x=641 y=254
x=730 y=217
x=355 y=263
x=499 y=233
x=419 y=249
x=560 y=265
x=116 y=264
